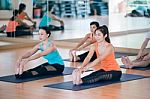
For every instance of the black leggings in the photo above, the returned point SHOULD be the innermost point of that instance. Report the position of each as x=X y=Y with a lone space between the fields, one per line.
x=53 y=27
x=44 y=69
x=20 y=31
x=102 y=75
x=84 y=55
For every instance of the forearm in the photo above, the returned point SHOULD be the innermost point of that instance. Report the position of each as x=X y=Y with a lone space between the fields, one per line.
x=85 y=62
x=62 y=23
x=36 y=56
x=144 y=45
x=79 y=45
x=147 y=57
x=27 y=55
x=94 y=63
x=84 y=46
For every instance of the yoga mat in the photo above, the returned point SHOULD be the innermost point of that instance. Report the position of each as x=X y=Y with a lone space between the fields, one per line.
x=138 y=68
x=117 y=55
x=12 y=79
x=69 y=85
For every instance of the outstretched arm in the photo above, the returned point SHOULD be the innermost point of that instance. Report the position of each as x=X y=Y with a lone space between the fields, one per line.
x=28 y=18
x=81 y=43
x=30 y=52
x=142 y=48
x=27 y=54
x=86 y=44
x=21 y=22
x=57 y=19
x=89 y=56
x=45 y=52
x=38 y=55
x=107 y=52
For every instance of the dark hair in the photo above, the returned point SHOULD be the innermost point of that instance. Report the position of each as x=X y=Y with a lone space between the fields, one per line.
x=47 y=30
x=95 y=23
x=104 y=30
x=50 y=5
x=22 y=6
x=15 y=12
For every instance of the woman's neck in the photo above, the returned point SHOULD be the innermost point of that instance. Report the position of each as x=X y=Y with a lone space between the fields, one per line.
x=102 y=42
x=45 y=41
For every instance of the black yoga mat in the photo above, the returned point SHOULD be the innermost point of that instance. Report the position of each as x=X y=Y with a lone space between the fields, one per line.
x=69 y=85
x=117 y=55
x=138 y=68
x=12 y=79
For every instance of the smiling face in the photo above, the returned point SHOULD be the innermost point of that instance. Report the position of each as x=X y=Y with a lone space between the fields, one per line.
x=43 y=35
x=99 y=36
x=93 y=28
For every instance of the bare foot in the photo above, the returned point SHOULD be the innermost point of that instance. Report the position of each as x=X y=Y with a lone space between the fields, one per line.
x=21 y=68
x=74 y=56
x=71 y=56
x=17 y=70
x=124 y=61
x=129 y=63
x=78 y=81
x=74 y=76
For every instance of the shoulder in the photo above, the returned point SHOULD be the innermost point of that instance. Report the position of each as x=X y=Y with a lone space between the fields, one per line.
x=88 y=35
x=51 y=43
x=109 y=47
x=38 y=45
x=24 y=13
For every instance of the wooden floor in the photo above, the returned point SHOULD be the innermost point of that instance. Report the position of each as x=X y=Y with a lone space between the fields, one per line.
x=136 y=89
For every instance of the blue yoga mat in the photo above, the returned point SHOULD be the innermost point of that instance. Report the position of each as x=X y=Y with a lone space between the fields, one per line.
x=117 y=55
x=12 y=79
x=69 y=85
x=138 y=68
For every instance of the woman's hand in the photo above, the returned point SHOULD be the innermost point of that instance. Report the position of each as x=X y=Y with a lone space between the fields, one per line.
x=82 y=70
x=22 y=63
x=18 y=65
x=72 y=54
x=146 y=57
x=18 y=62
x=76 y=74
x=139 y=56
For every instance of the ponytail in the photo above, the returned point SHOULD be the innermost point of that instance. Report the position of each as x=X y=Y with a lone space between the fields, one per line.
x=107 y=32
